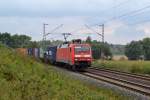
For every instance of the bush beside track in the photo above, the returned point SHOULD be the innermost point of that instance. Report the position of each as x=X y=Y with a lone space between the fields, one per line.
x=139 y=67
x=22 y=78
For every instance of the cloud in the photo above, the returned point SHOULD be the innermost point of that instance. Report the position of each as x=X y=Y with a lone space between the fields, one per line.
x=34 y=26
x=35 y=8
x=113 y=26
x=145 y=28
x=27 y=17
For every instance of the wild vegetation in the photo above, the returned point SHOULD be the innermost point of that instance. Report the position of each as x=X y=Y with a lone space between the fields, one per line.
x=138 y=49
x=98 y=47
x=140 y=67
x=15 y=41
x=117 y=49
x=22 y=78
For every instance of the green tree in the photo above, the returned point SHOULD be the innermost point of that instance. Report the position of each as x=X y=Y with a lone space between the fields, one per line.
x=5 y=38
x=106 y=50
x=98 y=48
x=20 y=41
x=96 y=51
x=146 y=47
x=134 y=50
x=15 y=41
x=88 y=40
x=33 y=44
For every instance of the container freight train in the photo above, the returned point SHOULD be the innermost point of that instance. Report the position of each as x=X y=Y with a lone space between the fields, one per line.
x=75 y=55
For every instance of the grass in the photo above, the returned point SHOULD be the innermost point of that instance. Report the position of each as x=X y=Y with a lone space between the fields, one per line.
x=140 y=67
x=22 y=78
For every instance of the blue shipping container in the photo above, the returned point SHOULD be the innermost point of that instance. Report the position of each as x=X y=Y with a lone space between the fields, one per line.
x=30 y=51
x=51 y=54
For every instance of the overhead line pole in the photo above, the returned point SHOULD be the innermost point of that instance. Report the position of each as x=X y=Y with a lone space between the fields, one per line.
x=46 y=34
x=103 y=41
x=101 y=34
x=44 y=31
x=44 y=37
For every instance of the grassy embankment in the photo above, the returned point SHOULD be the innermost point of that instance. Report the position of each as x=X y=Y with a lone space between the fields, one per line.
x=140 y=67
x=22 y=78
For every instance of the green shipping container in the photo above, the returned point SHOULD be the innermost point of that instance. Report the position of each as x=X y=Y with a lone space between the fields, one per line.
x=41 y=53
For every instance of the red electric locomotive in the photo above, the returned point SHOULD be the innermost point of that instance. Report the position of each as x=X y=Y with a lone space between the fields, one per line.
x=75 y=54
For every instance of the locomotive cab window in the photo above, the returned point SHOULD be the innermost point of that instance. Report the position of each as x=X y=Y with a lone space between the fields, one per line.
x=81 y=49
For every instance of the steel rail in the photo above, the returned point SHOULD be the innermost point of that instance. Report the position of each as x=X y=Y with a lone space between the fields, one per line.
x=96 y=73
x=120 y=84
x=144 y=77
x=124 y=76
x=121 y=80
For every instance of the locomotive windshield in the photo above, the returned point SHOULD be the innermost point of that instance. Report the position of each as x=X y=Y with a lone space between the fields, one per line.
x=82 y=49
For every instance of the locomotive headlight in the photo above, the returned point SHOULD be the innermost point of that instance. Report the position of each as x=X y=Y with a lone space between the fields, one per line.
x=76 y=59
x=77 y=55
x=87 y=55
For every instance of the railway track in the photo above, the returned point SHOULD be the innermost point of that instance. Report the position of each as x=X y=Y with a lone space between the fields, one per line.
x=134 y=82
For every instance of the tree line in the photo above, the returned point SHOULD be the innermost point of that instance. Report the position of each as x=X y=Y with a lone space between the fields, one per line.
x=138 y=50
x=17 y=41
x=98 y=48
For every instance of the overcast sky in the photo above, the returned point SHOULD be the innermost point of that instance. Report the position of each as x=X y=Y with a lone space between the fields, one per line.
x=27 y=17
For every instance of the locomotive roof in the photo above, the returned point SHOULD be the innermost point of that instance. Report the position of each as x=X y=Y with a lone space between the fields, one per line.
x=73 y=44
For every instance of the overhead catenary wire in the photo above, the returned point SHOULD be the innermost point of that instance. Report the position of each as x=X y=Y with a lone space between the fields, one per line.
x=92 y=30
x=121 y=3
x=140 y=22
x=116 y=6
x=137 y=11
x=126 y=14
x=52 y=31
x=131 y=13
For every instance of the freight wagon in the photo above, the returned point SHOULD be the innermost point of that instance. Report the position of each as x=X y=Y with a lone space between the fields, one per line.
x=35 y=52
x=51 y=54
x=22 y=51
